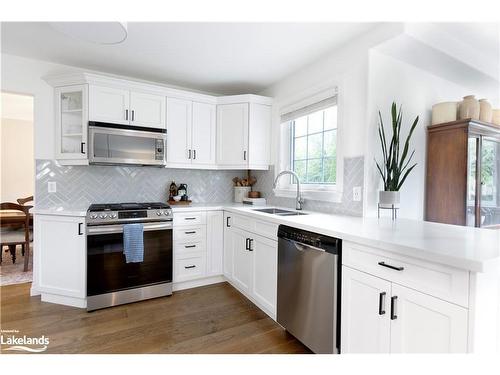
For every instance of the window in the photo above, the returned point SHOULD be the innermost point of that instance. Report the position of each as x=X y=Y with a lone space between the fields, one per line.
x=313 y=150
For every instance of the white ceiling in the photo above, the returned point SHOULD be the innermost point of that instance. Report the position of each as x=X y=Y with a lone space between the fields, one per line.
x=16 y=107
x=223 y=58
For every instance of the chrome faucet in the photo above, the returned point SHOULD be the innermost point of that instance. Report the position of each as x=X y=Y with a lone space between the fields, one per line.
x=299 y=200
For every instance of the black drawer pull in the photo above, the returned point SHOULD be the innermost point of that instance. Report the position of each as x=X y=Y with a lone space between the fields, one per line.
x=82 y=145
x=189 y=218
x=227 y=221
x=189 y=246
x=190 y=232
x=383 y=264
x=188 y=267
x=250 y=242
x=394 y=313
x=381 y=304
x=80 y=233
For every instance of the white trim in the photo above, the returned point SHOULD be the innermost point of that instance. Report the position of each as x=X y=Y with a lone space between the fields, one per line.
x=64 y=300
x=197 y=283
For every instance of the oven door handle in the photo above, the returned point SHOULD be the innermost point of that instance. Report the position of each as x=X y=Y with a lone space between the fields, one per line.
x=109 y=229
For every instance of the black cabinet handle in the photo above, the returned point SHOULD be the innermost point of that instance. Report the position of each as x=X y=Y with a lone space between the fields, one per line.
x=190 y=232
x=82 y=145
x=126 y=114
x=189 y=154
x=133 y=113
x=246 y=243
x=381 y=303
x=189 y=246
x=227 y=221
x=194 y=154
x=383 y=264
x=244 y=155
x=394 y=313
x=189 y=218
x=250 y=241
x=188 y=267
x=80 y=233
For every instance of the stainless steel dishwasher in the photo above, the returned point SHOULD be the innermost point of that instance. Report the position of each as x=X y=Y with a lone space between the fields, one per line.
x=309 y=288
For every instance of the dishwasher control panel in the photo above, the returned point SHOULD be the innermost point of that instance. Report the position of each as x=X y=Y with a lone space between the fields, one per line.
x=327 y=243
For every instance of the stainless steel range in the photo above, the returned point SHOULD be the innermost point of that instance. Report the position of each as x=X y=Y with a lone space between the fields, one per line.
x=111 y=280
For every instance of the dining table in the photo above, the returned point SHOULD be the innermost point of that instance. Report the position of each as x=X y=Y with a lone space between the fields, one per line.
x=13 y=219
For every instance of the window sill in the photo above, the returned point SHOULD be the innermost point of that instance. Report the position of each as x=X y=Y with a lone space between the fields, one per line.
x=333 y=196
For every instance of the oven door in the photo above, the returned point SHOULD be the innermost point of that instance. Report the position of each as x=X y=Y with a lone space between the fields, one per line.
x=107 y=270
x=125 y=145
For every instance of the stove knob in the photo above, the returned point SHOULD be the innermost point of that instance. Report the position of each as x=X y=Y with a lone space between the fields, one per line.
x=112 y=216
x=93 y=216
x=158 y=213
x=166 y=213
x=103 y=216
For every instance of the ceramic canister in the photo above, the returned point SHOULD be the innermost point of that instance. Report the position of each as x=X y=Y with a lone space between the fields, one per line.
x=444 y=112
x=496 y=117
x=485 y=110
x=469 y=108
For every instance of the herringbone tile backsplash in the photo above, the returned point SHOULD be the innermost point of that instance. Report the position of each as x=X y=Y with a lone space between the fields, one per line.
x=80 y=186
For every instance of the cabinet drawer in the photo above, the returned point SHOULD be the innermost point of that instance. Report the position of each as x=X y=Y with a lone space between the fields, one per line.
x=189 y=218
x=186 y=249
x=266 y=229
x=249 y=224
x=447 y=283
x=191 y=267
x=241 y=222
x=190 y=234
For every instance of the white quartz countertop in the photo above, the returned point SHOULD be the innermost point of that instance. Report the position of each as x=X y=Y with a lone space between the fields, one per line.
x=466 y=248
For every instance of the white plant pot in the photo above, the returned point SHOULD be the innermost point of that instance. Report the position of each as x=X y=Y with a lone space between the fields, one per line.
x=241 y=192
x=444 y=112
x=388 y=199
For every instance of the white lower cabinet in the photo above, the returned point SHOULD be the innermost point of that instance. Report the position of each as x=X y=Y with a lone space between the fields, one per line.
x=251 y=264
x=60 y=259
x=379 y=316
x=215 y=242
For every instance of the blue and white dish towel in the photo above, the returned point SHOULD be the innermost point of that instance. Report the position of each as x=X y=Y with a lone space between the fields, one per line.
x=133 y=243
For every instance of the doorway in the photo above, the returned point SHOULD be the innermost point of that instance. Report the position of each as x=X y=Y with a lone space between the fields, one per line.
x=17 y=183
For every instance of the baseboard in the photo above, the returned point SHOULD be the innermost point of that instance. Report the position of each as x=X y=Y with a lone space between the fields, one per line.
x=198 y=282
x=34 y=291
x=64 y=300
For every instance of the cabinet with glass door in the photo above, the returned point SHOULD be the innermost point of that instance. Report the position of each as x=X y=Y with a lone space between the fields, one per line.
x=463 y=174
x=71 y=123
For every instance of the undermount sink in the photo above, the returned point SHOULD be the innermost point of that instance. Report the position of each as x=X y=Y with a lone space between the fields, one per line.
x=278 y=211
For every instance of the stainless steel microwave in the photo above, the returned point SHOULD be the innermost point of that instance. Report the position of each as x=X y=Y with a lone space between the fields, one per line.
x=111 y=144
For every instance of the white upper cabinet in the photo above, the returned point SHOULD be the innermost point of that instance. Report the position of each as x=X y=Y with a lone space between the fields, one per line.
x=190 y=134
x=178 y=131
x=203 y=134
x=107 y=104
x=244 y=135
x=71 y=123
x=121 y=106
x=232 y=135
x=147 y=110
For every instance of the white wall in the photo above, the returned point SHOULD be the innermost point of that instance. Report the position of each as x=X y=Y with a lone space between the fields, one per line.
x=417 y=90
x=17 y=162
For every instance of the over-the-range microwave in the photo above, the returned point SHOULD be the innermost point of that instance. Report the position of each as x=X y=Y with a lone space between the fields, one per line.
x=112 y=144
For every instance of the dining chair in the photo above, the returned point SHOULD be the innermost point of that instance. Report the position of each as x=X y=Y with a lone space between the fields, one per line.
x=22 y=202
x=13 y=237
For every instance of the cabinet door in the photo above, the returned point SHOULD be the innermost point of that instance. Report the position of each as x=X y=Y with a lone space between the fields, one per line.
x=61 y=255
x=203 y=134
x=259 y=138
x=232 y=135
x=242 y=261
x=489 y=213
x=228 y=247
x=147 y=110
x=424 y=324
x=365 y=313
x=178 y=131
x=265 y=272
x=71 y=122
x=215 y=242
x=108 y=104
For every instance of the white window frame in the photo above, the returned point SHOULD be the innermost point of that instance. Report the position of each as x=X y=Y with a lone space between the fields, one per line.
x=321 y=192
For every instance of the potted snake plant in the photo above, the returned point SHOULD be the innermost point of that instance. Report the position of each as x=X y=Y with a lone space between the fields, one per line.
x=395 y=167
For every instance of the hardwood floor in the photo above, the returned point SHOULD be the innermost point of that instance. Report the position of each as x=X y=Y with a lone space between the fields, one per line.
x=210 y=319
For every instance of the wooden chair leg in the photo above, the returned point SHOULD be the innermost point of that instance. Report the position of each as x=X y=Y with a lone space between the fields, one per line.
x=27 y=257
x=22 y=250
x=12 y=249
